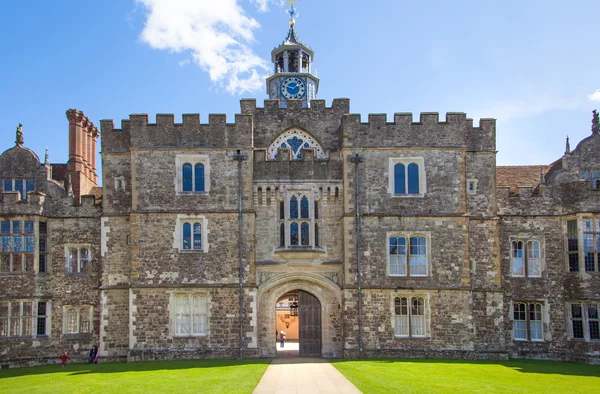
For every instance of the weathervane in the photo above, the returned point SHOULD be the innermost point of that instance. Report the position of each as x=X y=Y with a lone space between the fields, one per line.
x=292 y=11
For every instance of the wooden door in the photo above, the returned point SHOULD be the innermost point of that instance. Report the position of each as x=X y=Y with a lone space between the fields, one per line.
x=309 y=312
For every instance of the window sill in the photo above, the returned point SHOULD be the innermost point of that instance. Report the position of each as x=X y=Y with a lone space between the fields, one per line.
x=529 y=340
x=191 y=251
x=420 y=195
x=190 y=336
x=410 y=337
x=79 y=273
x=182 y=193
x=408 y=276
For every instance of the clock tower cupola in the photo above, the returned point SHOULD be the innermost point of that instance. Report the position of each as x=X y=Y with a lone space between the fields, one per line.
x=292 y=77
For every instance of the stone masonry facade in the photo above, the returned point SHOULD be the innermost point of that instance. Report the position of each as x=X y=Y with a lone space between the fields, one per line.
x=487 y=271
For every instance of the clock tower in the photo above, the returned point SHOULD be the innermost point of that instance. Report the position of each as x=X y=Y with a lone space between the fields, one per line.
x=292 y=77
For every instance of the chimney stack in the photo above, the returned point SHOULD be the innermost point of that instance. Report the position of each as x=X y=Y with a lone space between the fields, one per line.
x=82 y=153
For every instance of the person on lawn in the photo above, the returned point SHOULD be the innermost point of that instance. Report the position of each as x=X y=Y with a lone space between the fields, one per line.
x=93 y=357
x=63 y=359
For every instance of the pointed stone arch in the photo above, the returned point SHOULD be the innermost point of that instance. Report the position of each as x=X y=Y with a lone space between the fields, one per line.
x=328 y=294
x=295 y=139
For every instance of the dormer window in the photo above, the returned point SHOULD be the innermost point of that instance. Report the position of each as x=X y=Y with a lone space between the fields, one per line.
x=19 y=185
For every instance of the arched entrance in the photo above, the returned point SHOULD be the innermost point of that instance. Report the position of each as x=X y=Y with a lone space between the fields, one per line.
x=298 y=315
x=319 y=308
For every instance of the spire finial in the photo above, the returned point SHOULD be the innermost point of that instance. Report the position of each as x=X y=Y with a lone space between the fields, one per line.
x=70 y=190
x=542 y=176
x=567 y=147
x=19 y=140
x=595 y=122
x=47 y=158
x=292 y=12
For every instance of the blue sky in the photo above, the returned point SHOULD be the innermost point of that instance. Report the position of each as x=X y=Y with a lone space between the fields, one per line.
x=533 y=65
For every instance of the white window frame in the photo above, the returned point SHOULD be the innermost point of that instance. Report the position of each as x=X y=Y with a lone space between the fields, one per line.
x=408 y=235
x=528 y=322
x=120 y=183
x=174 y=314
x=79 y=311
x=474 y=182
x=33 y=318
x=420 y=161
x=585 y=319
x=527 y=241
x=78 y=247
x=178 y=233
x=180 y=160
x=409 y=316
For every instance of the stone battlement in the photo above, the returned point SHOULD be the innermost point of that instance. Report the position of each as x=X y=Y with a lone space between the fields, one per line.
x=456 y=130
x=137 y=131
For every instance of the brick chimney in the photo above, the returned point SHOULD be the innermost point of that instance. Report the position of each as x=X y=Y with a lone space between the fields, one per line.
x=82 y=153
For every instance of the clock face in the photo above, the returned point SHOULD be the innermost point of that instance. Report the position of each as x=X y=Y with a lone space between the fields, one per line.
x=293 y=88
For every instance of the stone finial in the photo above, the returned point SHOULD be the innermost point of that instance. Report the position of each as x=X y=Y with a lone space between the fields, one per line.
x=542 y=176
x=567 y=147
x=595 y=122
x=47 y=158
x=70 y=190
x=19 y=140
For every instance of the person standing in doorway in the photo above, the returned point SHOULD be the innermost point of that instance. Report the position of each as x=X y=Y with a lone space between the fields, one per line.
x=281 y=338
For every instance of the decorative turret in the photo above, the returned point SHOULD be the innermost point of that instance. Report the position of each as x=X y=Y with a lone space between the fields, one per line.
x=293 y=78
x=567 y=147
x=595 y=122
x=19 y=139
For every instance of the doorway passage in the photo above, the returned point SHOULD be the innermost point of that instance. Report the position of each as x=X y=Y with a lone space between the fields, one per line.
x=298 y=315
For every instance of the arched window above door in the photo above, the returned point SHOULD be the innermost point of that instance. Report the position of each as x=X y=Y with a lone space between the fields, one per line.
x=295 y=140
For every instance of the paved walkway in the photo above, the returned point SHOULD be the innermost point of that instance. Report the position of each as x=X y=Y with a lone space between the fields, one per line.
x=304 y=376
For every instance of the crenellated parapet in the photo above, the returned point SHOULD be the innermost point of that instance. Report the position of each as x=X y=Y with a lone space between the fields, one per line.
x=138 y=132
x=12 y=204
x=456 y=131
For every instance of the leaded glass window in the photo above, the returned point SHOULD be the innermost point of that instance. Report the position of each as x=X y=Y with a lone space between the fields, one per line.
x=19 y=185
x=190 y=314
x=526 y=258
x=193 y=174
x=295 y=140
x=17 y=245
x=294 y=233
x=407 y=255
x=572 y=246
x=192 y=235
x=78 y=260
x=409 y=317
x=406 y=178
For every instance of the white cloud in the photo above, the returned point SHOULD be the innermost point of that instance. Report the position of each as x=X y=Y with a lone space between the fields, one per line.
x=217 y=34
x=262 y=5
x=594 y=96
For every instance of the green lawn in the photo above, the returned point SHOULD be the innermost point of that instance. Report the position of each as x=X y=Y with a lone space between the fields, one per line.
x=454 y=376
x=206 y=376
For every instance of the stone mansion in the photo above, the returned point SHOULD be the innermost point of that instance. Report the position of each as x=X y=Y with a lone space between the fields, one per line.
x=369 y=239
